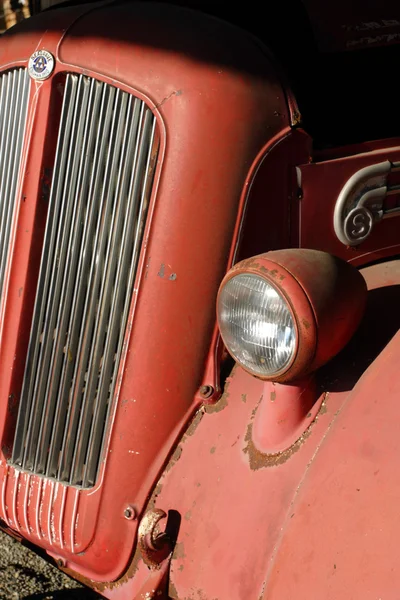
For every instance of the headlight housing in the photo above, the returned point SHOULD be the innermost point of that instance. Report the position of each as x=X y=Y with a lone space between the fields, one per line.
x=283 y=314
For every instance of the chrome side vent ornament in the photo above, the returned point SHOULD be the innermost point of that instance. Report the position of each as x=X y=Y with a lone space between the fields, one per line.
x=361 y=202
x=106 y=152
x=14 y=94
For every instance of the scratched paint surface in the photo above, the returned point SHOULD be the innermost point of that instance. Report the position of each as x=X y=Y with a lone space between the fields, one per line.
x=243 y=521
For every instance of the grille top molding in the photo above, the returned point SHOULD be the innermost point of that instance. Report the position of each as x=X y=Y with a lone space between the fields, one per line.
x=106 y=151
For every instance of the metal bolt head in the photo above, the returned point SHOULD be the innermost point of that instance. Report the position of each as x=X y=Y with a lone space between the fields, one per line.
x=129 y=513
x=60 y=563
x=206 y=391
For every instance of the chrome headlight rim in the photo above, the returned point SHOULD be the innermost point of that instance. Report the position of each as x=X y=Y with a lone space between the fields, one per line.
x=301 y=311
x=283 y=297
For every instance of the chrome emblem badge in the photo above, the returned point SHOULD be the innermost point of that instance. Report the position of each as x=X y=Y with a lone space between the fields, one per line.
x=41 y=65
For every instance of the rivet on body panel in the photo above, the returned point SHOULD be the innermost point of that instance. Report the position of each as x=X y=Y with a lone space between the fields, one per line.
x=129 y=513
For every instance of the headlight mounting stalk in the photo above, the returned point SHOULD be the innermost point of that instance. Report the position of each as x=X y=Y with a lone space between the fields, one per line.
x=282 y=315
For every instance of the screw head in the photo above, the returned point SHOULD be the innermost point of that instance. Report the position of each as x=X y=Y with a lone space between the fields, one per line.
x=206 y=391
x=129 y=513
x=60 y=563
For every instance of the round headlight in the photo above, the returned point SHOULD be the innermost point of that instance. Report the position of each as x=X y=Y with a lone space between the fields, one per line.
x=256 y=324
x=285 y=313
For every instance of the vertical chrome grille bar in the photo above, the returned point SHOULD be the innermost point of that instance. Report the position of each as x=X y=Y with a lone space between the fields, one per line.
x=14 y=93
x=119 y=271
x=79 y=316
x=98 y=205
x=63 y=274
x=94 y=358
x=27 y=418
x=6 y=140
x=75 y=315
x=84 y=331
x=97 y=306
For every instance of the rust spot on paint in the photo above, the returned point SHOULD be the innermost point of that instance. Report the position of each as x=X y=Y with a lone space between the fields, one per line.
x=179 y=551
x=212 y=450
x=153 y=499
x=188 y=515
x=254 y=411
x=306 y=323
x=273 y=396
x=193 y=425
x=161 y=272
x=124 y=402
x=172 y=591
x=324 y=409
x=271 y=272
x=223 y=401
x=259 y=460
x=244 y=398
x=174 y=93
x=174 y=458
x=218 y=406
x=177 y=453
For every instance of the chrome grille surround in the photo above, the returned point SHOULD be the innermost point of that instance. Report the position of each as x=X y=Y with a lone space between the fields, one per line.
x=14 y=94
x=105 y=157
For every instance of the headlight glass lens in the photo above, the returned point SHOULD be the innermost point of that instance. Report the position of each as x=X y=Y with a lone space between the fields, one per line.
x=256 y=324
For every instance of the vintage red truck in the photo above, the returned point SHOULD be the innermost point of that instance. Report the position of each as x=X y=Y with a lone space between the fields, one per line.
x=199 y=279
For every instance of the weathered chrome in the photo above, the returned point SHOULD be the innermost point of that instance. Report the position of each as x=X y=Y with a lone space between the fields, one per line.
x=14 y=92
x=361 y=202
x=98 y=205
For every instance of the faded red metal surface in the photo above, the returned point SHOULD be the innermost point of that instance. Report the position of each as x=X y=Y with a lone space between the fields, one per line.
x=296 y=523
x=207 y=106
x=342 y=532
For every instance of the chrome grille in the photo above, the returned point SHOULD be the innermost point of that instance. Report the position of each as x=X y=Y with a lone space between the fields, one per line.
x=98 y=204
x=14 y=91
